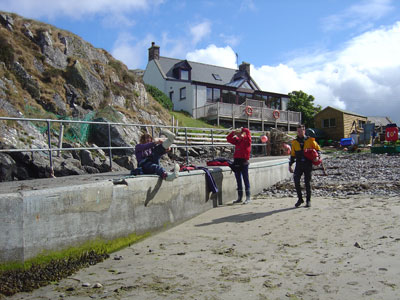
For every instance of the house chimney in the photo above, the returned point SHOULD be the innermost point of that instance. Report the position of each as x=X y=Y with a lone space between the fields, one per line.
x=245 y=67
x=154 y=52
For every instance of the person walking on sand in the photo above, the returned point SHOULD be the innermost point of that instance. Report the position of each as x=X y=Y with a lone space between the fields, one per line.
x=148 y=153
x=303 y=164
x=241 y=138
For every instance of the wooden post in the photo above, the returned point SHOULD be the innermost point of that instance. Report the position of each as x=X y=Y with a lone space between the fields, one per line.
x=217 y=113
x=262 y=116
x=233 y=115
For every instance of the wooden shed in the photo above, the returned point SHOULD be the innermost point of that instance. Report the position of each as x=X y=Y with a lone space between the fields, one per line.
x=338 y=123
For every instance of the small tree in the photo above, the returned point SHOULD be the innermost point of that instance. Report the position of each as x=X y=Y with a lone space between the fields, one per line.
x=303 y=103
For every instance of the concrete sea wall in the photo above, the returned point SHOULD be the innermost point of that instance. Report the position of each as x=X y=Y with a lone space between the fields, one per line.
x=59 y=217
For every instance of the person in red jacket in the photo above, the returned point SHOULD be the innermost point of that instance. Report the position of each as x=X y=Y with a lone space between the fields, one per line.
x=241 y=138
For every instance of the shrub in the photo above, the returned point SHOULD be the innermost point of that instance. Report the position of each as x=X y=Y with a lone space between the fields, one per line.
x=159 y=96
x=6 y=52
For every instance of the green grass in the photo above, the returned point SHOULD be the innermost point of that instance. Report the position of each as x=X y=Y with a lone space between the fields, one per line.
x=185 y=120
x=99 y=246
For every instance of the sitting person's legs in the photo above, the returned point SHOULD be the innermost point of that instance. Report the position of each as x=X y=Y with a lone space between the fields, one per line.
x=150 y=167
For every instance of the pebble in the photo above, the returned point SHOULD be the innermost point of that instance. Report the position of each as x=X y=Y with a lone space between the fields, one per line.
x=348 y=174
x=97 y=285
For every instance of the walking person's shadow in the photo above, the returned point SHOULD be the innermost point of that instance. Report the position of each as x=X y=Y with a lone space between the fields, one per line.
x=245 y=217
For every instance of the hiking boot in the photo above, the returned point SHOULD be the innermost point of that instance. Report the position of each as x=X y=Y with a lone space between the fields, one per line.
x=173 y=175
x=299 y=202
x=308 y=203
x=239 y=198
x=170 y=138
x=247 y=197
x=168 y=134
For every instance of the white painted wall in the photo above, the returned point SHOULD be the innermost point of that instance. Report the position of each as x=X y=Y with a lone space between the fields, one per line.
x=185 y=104
x=152 y=76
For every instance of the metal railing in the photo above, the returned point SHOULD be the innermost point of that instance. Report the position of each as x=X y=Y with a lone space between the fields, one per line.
x=259 y=113
x=192 y=137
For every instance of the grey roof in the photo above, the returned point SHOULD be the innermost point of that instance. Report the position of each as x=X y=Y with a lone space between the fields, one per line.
x=380 y=121
x=200 y=72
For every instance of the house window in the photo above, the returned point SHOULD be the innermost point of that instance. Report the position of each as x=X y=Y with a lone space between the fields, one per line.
x=327 y=123
x=243 y=96
x=171 y=95
x=274 y=103
x=361 y=123
x=228 y=96
x=213 y=95
x=246 y=85
x=217 y=77
x=184 y=74
x=182 y=93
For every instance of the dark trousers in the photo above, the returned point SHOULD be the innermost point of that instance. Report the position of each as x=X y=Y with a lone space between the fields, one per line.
x=241 y=169
x=151 y=164
x=300 y=169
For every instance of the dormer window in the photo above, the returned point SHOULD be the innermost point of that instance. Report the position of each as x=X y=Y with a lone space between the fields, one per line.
x=184 y=74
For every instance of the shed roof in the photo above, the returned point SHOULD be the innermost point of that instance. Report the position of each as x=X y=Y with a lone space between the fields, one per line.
x=343 y=111
x=380 y=121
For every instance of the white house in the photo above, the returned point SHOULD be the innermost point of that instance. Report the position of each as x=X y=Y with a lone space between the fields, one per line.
x=194 y=86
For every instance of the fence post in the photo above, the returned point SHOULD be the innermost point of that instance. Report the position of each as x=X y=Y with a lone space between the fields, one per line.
x=50 y=154
x=109 y=145
x=212 y=143
x=233 y=116
x=187 y=149
x=60 y=139
x=262 y=117
x=217 y=113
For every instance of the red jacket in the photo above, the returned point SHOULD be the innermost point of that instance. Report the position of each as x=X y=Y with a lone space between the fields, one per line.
x=242 y=144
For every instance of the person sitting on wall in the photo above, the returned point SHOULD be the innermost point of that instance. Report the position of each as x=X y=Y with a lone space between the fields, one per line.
x=149 y=151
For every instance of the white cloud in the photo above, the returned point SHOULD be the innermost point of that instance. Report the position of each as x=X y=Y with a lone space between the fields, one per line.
x=230 y=40
x=223 y=57
x=362 y=14
x=131 y=51
x=364 y=77
x=200 y=31
x=74 y=8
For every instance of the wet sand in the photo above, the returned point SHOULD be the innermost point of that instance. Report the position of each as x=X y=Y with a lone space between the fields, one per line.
x=340 y=248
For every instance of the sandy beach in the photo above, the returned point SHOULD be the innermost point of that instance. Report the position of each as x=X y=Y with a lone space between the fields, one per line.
x=340 y=248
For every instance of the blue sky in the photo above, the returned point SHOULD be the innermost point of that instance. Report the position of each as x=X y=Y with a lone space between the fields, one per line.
x=346 y=53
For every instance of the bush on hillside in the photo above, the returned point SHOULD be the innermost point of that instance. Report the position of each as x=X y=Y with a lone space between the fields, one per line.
x=159 y=96
x=6 y=52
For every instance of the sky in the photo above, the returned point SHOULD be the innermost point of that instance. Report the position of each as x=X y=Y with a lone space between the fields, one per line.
x=345 y=53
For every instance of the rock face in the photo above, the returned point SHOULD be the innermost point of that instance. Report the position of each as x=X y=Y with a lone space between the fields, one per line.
x=49 y=73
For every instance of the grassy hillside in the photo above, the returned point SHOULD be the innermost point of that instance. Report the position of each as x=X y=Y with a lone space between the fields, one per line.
x=185 y=120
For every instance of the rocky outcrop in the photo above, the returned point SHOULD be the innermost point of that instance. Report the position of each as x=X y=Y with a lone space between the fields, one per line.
x=49 y=73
